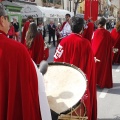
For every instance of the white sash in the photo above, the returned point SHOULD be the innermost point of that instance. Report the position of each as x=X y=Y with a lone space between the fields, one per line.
x=44 y=106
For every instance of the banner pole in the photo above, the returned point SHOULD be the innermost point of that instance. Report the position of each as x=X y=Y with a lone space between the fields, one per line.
x=90 y=9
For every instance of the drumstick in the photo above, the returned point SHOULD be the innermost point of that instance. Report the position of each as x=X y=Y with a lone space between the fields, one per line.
x=96 y=60
x=43 y=67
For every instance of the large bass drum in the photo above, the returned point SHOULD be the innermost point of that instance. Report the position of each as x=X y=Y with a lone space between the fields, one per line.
x=65 y=86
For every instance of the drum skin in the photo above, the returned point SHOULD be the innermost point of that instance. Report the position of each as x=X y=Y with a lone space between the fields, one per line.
x=65 y=85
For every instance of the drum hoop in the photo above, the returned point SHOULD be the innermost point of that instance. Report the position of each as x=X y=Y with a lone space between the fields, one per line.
x=73 y=66
x=70 y=65
x=74 y=107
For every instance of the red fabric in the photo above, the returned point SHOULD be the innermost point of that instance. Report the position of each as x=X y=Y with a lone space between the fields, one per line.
x=76 y=50
x=11 y=31
x=18 y=82
x=46 y=53
x=25 y=29
x=91 y=9
x=62 y=26
x=102 y=48
x=116 y=37
x=37 y=49
x=88 y=32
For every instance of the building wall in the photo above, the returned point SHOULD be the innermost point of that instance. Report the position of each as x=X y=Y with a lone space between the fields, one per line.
x=67 y=5
x=39 y=2
x=52 y=3
x=81 y=7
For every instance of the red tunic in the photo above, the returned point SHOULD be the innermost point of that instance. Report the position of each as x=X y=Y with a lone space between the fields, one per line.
x=116 y=37
x=25 y=29
x=89 y=31
x=37 y=49
x=102 y=48
x=18 y=82
x=76 y=50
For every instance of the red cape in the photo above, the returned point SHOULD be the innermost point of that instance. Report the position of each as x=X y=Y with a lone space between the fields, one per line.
x=62 y=26
x=116 y=37
x=11 y=31
x=25 y=29
x=77 y=51
x=37 y=49
x=89 y=31
x=18 y=82
x=46 y=53
x=102 y=48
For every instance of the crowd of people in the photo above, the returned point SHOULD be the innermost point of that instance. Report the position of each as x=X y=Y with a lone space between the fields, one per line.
x=93 y=51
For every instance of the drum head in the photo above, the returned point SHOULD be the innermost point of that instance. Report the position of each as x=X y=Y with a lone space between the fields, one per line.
x=65 y=85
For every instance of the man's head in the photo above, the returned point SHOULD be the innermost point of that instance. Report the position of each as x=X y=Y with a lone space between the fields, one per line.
x=101 y=22
x=51 y=21
x=14 y=20
x=77 y=24
x=30 y=18
x=4 y=23
x=67 y=16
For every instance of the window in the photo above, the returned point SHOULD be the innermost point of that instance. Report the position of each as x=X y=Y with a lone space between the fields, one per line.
x=52 y=1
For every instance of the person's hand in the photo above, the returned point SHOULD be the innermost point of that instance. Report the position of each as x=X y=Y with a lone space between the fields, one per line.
x=96 y=60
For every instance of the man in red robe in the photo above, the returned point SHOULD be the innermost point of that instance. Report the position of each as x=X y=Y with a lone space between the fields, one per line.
x=102 y=49
x=76 y=50
x=19 y=99
x=88 y=31
x=116 y=37
x=25 y=28
x=66 y=27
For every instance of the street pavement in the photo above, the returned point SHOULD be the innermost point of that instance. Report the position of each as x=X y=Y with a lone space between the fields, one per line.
x=108 y=100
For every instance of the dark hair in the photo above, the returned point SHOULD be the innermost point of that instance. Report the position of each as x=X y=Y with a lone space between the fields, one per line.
x=102 y=22
x=77 y=24
x=30 y=17
x=68 y=15
x=31 y=33
x=2 y=11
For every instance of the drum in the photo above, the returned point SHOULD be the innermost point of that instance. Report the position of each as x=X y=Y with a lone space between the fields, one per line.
x=65 y=85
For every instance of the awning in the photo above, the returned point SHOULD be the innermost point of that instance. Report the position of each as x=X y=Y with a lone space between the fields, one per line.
x=38 y=11
x=31 y=10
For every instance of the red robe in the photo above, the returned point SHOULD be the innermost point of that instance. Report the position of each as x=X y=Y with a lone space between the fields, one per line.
x=62 y=26
x=102 y=48
x=46 y=53
x=37 y=49
x=11 y=31
x=76 y=50
x=116 y=37
x=88 y=32
x=18 y=82
x=25 y=29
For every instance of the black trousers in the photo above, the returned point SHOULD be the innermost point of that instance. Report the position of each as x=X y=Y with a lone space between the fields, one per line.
x=53 y=36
